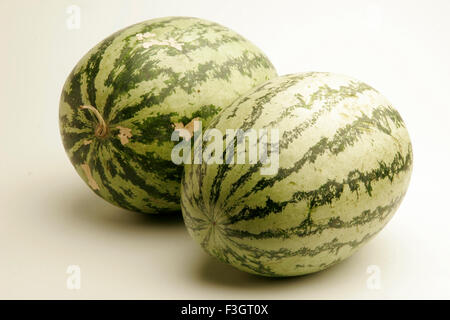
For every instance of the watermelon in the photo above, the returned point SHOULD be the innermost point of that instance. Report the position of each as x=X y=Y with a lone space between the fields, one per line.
x=345 y=161
x=124 y=98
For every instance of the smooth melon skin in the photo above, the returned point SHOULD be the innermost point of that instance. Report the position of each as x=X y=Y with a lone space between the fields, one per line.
x=122 y=101
x=345 y=164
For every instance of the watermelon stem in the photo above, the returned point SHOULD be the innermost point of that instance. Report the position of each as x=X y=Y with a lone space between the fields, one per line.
x=102 y=129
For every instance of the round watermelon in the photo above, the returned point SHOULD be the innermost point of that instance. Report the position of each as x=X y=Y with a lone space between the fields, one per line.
x=122 y=101
x=345 y=160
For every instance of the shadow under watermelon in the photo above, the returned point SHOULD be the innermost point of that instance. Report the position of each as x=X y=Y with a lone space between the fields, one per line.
x=212 y=272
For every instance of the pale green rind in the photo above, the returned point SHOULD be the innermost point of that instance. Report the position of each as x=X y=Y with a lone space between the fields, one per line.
x=345 y=165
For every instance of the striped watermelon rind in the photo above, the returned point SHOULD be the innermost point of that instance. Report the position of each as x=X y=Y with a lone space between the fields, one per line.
x=140 y=82
x=345 y=165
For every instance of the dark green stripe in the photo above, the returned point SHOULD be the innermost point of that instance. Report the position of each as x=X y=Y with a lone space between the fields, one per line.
x=333 y=97
x=93 y=67
x=115 y=197
x=194 y=199
x=332 y=247
x=71 y=138
x=248 y=123
x=321 y=266
x=80 y=155
x=126 y=158
x=331 y=190
x=344 y=137
x=308 y=227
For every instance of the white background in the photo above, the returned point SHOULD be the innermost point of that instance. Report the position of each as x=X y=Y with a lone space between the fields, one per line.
x=49 y=219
